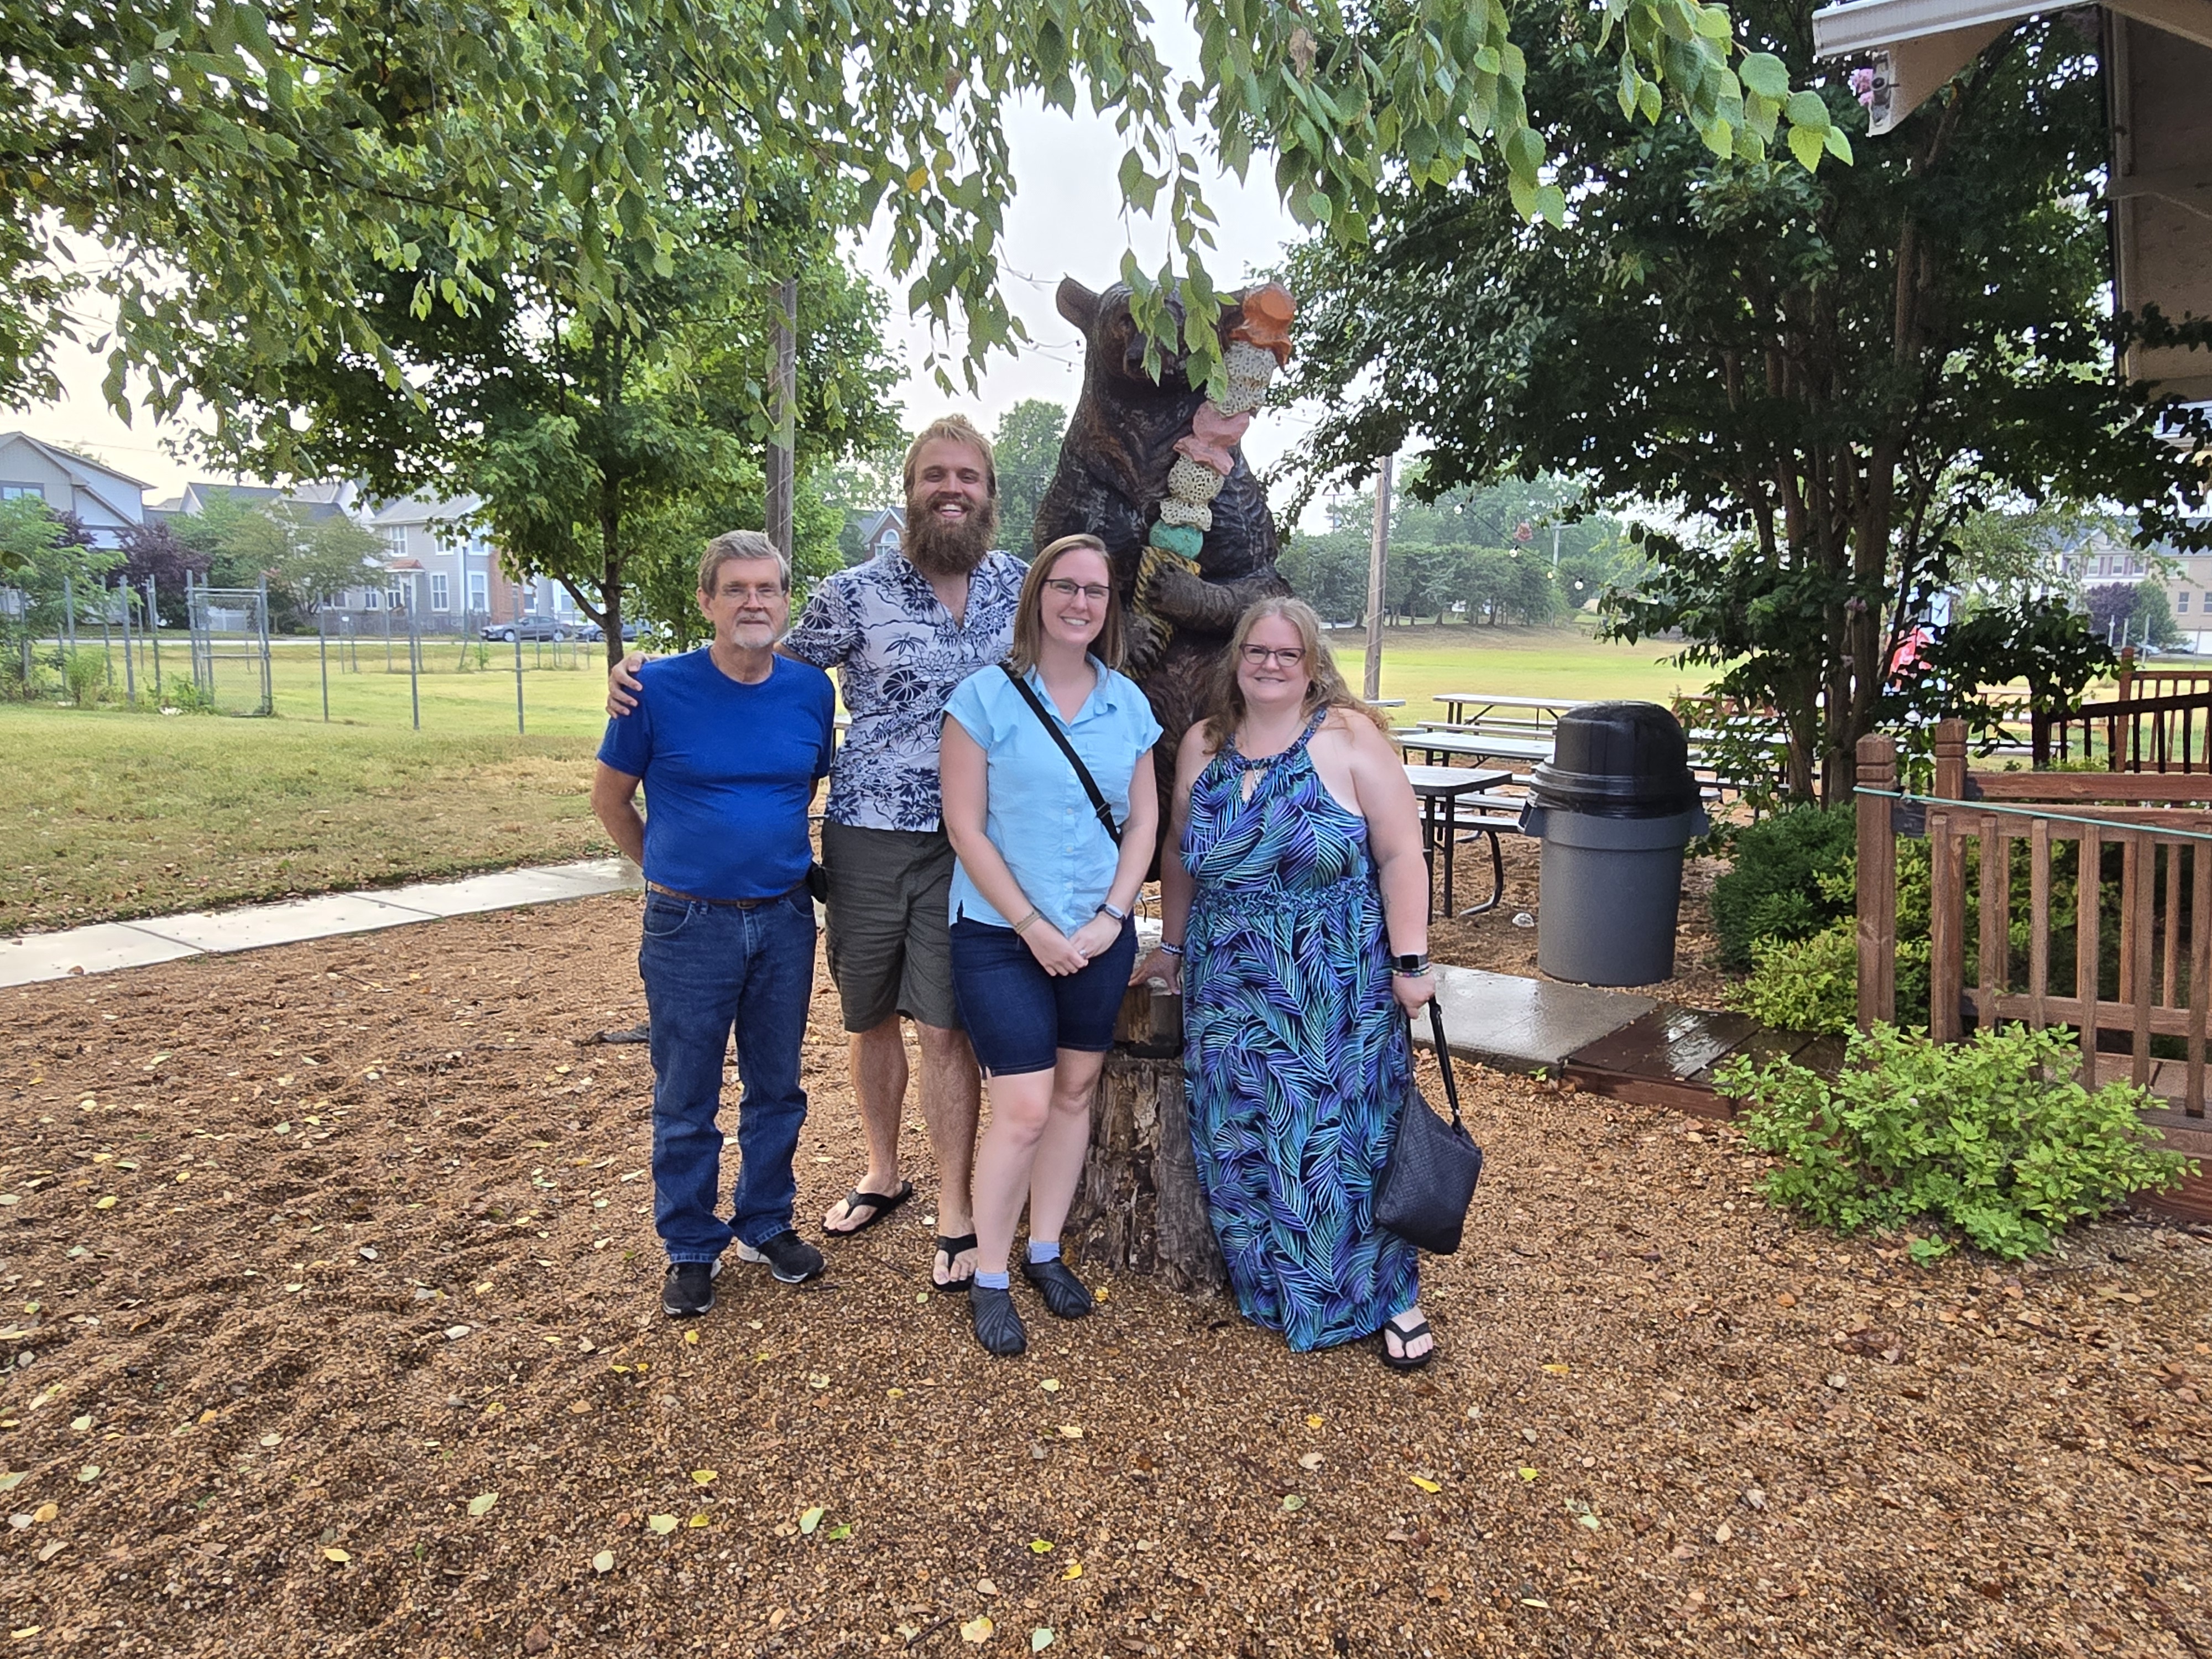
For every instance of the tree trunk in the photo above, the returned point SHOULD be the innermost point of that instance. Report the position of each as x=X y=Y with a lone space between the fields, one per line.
x=1138 y=1206
x=610 y=569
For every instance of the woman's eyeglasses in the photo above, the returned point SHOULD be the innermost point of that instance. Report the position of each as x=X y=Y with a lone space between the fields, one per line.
x=1290 y=656
x=1067 y=590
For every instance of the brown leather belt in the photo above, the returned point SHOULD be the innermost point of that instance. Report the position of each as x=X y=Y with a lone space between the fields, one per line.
x=723 y=904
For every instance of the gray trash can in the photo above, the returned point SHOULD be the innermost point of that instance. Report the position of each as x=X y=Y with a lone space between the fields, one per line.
x=1615 y=807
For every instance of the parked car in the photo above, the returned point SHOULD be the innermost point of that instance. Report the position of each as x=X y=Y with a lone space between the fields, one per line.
x=530 y=628
x=592 y=631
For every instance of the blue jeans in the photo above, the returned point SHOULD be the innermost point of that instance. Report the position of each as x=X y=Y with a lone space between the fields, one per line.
x=708 y=969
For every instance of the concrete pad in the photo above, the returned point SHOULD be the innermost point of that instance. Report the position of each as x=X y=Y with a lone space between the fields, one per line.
x=260 y=925
x=29 y=958
x=503 y=890
x=614 y=875
x=1518 y=1024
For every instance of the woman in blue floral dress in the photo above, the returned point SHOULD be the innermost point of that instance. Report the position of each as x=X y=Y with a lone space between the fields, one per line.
x=1297 y=915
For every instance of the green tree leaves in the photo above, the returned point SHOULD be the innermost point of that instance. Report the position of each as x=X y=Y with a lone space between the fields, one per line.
x=249 y=167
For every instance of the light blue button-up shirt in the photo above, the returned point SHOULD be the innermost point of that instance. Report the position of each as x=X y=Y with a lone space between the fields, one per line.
x=1039 y=816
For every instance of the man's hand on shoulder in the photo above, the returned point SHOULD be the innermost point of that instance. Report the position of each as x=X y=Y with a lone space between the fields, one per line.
x=622 y=685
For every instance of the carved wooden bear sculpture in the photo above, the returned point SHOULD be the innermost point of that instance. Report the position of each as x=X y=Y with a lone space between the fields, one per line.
x=1113 y=477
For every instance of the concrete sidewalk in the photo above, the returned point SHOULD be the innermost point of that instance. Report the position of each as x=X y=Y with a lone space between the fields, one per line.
x=106 y=946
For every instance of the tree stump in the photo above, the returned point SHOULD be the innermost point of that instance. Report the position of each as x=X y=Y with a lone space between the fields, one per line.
x=1139 y=1205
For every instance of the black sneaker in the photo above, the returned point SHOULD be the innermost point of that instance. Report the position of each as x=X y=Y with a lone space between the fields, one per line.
x=789 y=1257
x=689 y=1290
x=1062 y=1290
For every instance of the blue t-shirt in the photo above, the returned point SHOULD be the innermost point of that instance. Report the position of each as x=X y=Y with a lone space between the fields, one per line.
x=729 y=770
x=1039 y=816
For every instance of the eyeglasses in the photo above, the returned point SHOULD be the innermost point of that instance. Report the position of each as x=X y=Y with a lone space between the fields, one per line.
x=1067 y=590
x=1290 y=656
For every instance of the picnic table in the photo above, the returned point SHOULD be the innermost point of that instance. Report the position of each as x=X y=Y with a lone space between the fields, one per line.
x=1440 y=789
x=1543 y=710
x=1471 y=745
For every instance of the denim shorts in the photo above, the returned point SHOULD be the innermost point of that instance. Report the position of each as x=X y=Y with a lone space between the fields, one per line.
x=1019 y=1016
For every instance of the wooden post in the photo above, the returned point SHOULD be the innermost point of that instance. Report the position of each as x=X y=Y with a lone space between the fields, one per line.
x=1378 y=556
x=2127 y=672
x=1877 y=881
x=1948 y=894
x=783 y=408
x=1138 y=1206
x=2089 y=912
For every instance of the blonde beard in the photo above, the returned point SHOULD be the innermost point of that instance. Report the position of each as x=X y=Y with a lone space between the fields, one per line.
x=937 y=548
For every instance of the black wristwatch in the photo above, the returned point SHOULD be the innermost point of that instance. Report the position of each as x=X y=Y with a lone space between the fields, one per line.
x=1412 y=967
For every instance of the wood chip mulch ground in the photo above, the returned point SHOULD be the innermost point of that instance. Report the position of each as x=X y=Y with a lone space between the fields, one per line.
x=332 y=1321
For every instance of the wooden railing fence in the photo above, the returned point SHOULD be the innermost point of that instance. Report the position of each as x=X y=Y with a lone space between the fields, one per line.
x=2162 y=828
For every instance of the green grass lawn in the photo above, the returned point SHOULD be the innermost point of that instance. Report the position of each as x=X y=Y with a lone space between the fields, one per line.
x=122 y=813
x=1529 y=662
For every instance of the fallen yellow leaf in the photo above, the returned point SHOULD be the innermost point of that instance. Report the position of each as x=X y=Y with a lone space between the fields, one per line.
x=604 y=1561
x=1529 y=1475
x=705 y=1477
x=812 y=1519
x=663 y=1524
x=1557 y=1369
x=1040 y=1547
x=1070 y=1431
x=1314 y=1421
x=1050 y=1385
x=700 y=1520
x=1424 y=1484
x=481 y=1503
x=1073 y=1570
x=338 y=1556
x=107 y=1203
x=692 y=1339
x=977 y=1631
x=46 y=1512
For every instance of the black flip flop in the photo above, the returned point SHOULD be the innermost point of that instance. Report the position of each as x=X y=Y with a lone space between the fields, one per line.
x=952 y=1247
x=878 y=1205
x=1406 y=1335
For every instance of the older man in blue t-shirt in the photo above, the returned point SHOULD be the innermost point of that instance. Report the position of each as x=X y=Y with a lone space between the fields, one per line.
x=729 y=746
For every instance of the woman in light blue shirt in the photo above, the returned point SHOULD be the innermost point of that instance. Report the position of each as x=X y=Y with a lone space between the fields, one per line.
x=1049 y=869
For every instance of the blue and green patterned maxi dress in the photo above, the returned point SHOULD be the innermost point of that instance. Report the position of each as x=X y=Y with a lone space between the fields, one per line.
x=1293 y=1050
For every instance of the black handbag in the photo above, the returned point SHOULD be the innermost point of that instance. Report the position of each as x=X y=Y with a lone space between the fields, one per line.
x=1428 y=1180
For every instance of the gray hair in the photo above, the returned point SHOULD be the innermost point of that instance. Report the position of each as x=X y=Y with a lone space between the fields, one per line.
x=734 y=544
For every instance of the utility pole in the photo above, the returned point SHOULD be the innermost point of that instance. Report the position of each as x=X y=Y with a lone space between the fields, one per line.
x=783 y=393
x=1378 y=553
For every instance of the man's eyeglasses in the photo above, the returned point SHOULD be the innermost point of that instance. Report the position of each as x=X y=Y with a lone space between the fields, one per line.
x=1290 y=656
x=1094 y=591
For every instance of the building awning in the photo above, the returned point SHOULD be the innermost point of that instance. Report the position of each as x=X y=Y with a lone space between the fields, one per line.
x=2158 y=59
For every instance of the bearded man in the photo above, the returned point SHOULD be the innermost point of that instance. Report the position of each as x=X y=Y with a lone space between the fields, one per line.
x=901 y=631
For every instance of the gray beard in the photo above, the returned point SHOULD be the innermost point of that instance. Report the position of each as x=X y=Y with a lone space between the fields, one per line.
x=937 y=549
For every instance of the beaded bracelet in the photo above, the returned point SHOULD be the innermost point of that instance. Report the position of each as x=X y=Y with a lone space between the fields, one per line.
x=1035 y=915
x=1169 y=950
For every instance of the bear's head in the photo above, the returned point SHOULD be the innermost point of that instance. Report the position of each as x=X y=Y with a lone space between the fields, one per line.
x=1115 y=345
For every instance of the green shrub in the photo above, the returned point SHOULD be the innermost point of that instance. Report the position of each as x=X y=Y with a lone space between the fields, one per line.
x=1993 y=1140
x=186 y=697
x=85 y=675
x=1804 y=984
x=1772 y=892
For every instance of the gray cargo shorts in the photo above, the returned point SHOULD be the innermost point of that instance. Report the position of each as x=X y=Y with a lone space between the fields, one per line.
x=888 y=936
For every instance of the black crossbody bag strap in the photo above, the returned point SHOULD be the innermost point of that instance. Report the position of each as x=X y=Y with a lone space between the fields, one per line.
x=1082 y=772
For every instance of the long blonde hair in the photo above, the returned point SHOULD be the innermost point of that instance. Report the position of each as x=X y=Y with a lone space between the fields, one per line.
x=1225 y=710
x=1029 y=610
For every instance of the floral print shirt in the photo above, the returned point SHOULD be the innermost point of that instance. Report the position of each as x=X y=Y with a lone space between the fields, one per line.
x=898 y=655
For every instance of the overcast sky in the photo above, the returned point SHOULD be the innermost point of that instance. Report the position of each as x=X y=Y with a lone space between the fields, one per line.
x=1065 y=220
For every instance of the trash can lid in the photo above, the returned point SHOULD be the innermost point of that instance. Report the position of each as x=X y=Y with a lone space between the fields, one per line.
x=1617 y=760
